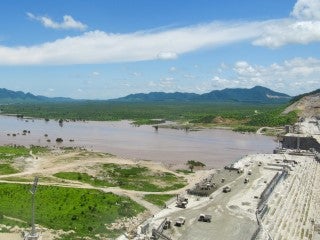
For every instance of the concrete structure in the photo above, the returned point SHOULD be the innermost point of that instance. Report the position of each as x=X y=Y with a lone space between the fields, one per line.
x=300 y=141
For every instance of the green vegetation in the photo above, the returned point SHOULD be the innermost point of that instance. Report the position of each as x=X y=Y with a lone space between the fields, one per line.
x=184 y=171
x=129 y=177
x=192 y=163
x=11 y=223
x=159 y=200
x=83 y=177
x=234 y=114
x=273 y=118
x=108 y=111
x=11 y=152
x=7 y=169
x=87 y=212
x=246 y=129
x=147 y=122
x=16 y=179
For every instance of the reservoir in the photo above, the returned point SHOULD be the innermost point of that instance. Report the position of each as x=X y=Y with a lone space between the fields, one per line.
x=214 y=147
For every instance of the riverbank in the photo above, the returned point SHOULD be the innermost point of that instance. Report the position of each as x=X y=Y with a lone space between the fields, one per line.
x=214 y=147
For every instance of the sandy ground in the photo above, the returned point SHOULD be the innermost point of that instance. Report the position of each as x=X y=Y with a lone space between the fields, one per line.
x=233 y=213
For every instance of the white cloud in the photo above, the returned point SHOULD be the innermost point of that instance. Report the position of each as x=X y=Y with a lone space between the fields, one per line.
x=136 y=74
x=152 y=84
x=301 y=74
x=173 y=69
x=167 y=82
x=302 y=28
x=67 y=23
x=216 y=83
x=95 y=73
x=100 y=47
x=289 y=31
x=94 y=47
x=189 y=76
x=306 y=9
x=167 y=55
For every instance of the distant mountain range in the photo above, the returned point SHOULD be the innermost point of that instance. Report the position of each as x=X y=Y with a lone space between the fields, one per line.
x=256 y=94
x=8 y=96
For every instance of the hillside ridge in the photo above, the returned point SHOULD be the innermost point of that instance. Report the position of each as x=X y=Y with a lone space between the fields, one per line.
x=257 y=94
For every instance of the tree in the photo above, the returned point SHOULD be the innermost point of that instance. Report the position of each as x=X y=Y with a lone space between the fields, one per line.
x=192 y=163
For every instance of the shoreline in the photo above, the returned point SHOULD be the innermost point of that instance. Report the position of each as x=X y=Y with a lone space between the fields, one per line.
x=214 y=147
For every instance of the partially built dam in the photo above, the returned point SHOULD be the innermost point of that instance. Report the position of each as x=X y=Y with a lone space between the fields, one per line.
x=270 y=197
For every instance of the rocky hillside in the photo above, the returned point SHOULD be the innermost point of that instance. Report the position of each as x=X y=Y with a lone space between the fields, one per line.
x=307 y=106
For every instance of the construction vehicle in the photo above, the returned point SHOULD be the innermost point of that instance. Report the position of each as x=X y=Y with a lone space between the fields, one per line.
x=204 y=218
x=180 y=221
x=182 y=202
x=167 y=224
x=226 y=189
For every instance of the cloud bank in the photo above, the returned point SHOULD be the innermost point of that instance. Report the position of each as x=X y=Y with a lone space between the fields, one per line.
x=101 y=47
x=301 y=74
x=302 y=27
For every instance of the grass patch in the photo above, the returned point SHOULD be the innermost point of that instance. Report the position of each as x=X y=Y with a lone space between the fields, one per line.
x=141 y=178
x=184 y=171
x=242 y=128
x=85 y=211
x=11 y=223
x=83 y=177
x=7 y=169
x=12 y=152
x=159 y=200
x=17 y=179
x=38 y=149
x=129 y=177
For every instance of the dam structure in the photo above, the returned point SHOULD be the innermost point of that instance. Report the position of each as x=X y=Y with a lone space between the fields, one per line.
x=272 y=196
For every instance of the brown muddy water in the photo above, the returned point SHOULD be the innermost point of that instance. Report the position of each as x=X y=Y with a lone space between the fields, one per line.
x=215 y=147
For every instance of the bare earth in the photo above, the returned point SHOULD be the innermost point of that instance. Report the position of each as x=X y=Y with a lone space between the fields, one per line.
x=308 y=106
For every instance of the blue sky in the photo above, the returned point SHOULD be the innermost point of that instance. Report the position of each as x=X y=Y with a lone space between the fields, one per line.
x=101 y=49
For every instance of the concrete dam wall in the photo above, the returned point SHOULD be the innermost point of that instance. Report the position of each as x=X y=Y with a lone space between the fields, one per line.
x=303 y=143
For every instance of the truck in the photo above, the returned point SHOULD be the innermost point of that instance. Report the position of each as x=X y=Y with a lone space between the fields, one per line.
x=204 y=218
x=180 y=221
x=226 y=189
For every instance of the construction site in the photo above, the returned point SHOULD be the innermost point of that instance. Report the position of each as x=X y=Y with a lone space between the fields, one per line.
x=273 y=196
x=263 y=196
